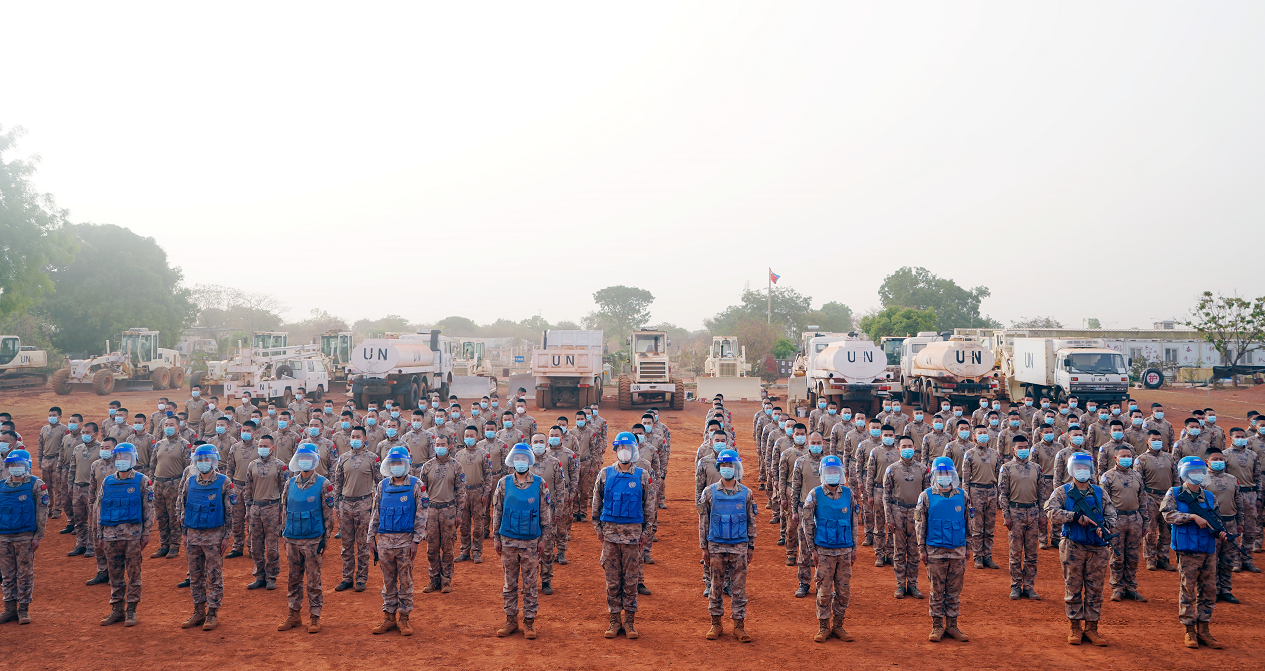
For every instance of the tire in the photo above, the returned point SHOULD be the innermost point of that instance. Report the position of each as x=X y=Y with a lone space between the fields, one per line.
x=195 y=380
x=160 y=377
x=363 y=400
x=288 y=397
x=177 y=378
x=320 y=393
x=1152 y=378
x=413 y=393
x=625 y=393
x=544 y=398
x=678 y=396
x=103 y=382
x=60 y=382
x=284 y=370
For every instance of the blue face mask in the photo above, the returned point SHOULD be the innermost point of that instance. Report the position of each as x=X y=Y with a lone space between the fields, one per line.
x=1064 y=411
x=876 y=432
x=204 y=466
x=105 y=454
x=1159 y=414
x=1194 y=432
x=554 y=441
x=846 y=416
x=957 y=413
x=356 y=443
x=906 y=453
x=271 y=412
x=86 y=438
x=371 y=421
x=789 y=429
x=938 y=426
x=821 y=405
x=169 y=430
x=221 y=429
x=264 y=452
x=489 y=434
x=440 y=450
x=994 y=422
x=470 y=442
x=434 y=404
x=800 y=440
x=483 y=404
x=580 y=423
x=72 y=426
x=497 y=404
x=395 y=414
x=1137 y=421
x=1157 y=445
x=55 y=420
x=391 y=432
x=1073 y=425
x=1240 y=442
x=1117 y=435
x=964 y=435
x=439 y=420
x=1014 y=423
x=521 y=466
x=507 y=424
x=1049 y=420
x=944 y=480
x=815 y=449
x=398 y=471
x=1022 y=454
x=727 y=472
x=1102 y=416
x=313 y=431
x=831 y=478
x=889 y=440
x=1078 y=440
x=982 y=439
x=123 y=464
x=281 y=424
x=344 y=425
x=246 y=436
x=112 y=411
x=768 y=411
x=1126 y=461
x=832 y=411
x=1047 y=437
x=1217 y=465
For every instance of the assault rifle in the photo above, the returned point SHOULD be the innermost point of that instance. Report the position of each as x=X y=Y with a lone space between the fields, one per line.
x=1212 y=518
x=1083 y=510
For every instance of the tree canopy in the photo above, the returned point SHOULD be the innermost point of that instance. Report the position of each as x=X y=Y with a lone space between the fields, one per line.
x=32 y=235
x=1038 y=323
x=919 y=289
x=620 y=310
x=792 y=312
x=1233 y=325
x=897 y=321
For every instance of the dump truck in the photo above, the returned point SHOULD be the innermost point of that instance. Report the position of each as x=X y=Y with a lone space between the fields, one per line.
x=404 y=368
x=650 y=381
x=959 y=369
x=847 y=368
x=139 y=365
x=567 y=369
x=21 y=367
x=1061 y=367
x=726 y=371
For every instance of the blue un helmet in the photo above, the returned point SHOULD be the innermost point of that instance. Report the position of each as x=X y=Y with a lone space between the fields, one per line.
x=125 y=456
x=18 y=459
x=396 y=464
x=306 y=452
x=206 y=458
x=942 y=468
x=520 y=454
x=1081 y=466
x=625 y=445
x=1192 y=469
x=831 y=470
x=729 y=464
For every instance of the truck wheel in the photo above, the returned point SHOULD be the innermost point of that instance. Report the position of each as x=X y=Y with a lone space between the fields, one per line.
x=60 y=382
x=103 y=382
x=625 y=393
x=195 y=380
x=410 y=403
x=1152 y=378
x=678 y=396
x=177 y=378
x=543 y=398
x=284 y=370
x=160 y=377
x=320 y=393
x=288 y=397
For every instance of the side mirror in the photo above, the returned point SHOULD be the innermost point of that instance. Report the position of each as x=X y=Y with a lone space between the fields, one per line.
x=1067 y=363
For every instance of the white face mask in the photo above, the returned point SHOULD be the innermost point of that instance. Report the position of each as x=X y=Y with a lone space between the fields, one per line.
x=624 y=456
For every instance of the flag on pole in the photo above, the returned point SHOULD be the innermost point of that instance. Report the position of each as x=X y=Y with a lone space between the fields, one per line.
x=774 y=277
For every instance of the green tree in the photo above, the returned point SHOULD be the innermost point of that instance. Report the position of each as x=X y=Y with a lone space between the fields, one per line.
x=1038 y=323
x=919 y=289
x=791 y=312
x=620 y=310
x=310 y=329
x=366 y=328
x=758 y=336
x=1093 y=323
x=784 y=349
x=458 y=326
x=1234 y=326
x=32 y=232
x=833 y=317
x=118 y=280
x=897 y=321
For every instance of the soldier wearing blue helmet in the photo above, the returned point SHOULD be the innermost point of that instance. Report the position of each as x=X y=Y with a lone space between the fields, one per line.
x=24 y=503
x=125 y=518
x=1086 y=516
x=521 y=512
x=1189 y=509
x=396 y=529
x=307 y=518
x=941 y=521
x=622 y=510
x=205 y=501
x=726 y=533
x=829 y=522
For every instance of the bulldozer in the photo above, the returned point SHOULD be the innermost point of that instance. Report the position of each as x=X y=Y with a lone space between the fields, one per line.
x=139 y=364
x=20 y=366
x=651 y=378
x=726 y=372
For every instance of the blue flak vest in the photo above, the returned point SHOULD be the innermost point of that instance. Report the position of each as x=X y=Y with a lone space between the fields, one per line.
x=122 y=501
x=520 y=514
x=203 y=505
x=17 y=507
x=304 y=518
x=622 y=497
x=397 y=508
x=728 y=524
x=1080 y=533
x=834 y=519
x=946 y=523
x=1189 y=537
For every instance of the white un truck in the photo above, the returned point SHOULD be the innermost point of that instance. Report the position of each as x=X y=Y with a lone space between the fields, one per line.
x=1058 y=368
x=404 y=369
x=567 y=369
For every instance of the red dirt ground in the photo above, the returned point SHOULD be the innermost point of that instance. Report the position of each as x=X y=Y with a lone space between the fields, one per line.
x=458 y=629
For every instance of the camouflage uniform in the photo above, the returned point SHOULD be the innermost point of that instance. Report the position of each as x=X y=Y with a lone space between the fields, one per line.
x=496 y=452
x=1018 y=496
x=239 y=457
x=195 y=408
x=786 y=505
x=520 y=558
x=1123 y=487
x=1197 y=570
x=17 y=557
x=305 y=555
x=477 y=471
x=79 y=477
x=571 y=471
x=446 y=485
x=622 y=544
x=1084 y=566
x=550 y=470
x=265 y=482
x=860 y=457
x=583 y=441
x=876 y=465
x=50 y=451
x=727 y=560
x=902 y=482
x=932 y=445
x=101 y=468
x=1046 y=457
x=946 y=567
x=1167 y=435
x=1159 y=474
x=354 y=480
x=979 y=474
x=167 y=461
x=203 y=546
x=1224 y=488
x=805 y=476
x=834 y=565
x=396 y=551
x=121 y=544
x=1245 y=466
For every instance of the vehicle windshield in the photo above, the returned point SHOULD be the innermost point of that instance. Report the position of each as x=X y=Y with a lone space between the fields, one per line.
x=1096 y=364
x=329 y=344
x=726 y=348
x=8 y=350
x=892 y=349
x=648 y=344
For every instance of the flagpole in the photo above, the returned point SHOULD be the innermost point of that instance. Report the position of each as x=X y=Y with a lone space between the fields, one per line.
x=769 y=316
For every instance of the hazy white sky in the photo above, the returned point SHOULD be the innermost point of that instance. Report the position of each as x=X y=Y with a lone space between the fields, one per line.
x=1081 y=159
